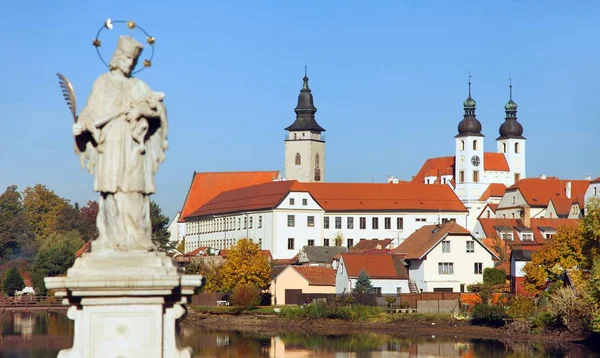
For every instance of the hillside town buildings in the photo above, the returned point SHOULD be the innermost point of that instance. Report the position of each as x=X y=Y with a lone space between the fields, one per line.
x=437 y=232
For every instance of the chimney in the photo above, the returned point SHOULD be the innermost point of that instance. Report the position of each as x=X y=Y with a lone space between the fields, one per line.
x=568 y=190
x=543 y=176
x=527 y=216
x=588 y=177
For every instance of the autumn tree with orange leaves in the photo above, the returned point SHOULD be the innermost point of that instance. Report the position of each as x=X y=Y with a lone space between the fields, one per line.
x=562 y=252
x=245 y=264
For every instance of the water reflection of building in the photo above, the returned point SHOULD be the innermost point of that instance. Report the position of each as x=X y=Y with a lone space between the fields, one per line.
x=24 y=323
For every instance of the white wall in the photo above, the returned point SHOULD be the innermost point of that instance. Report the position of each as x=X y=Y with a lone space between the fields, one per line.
x=592 y=191
x=410 y=225
x=516 y=161
x=463 y=262
x=342 y=282
x=307 y=144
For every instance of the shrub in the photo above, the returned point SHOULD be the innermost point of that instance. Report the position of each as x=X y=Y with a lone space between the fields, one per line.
x=246 y=296
x=390 y=301
x=491 y=315
x=12 y=281
x=572 y=311
x=521 y=307
x=324 y=311
x=493 y=276
x=544 y=321
x=224 y=310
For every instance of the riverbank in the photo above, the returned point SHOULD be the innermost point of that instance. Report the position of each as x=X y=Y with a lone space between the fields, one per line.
x=431 y=325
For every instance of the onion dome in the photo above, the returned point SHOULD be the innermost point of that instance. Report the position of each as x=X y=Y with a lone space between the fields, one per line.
x=511 y=128
x=305 y=111
x=469 y=126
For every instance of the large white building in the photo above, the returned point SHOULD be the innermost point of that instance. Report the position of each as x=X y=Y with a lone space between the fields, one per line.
x=283 y=216
x=471 y=170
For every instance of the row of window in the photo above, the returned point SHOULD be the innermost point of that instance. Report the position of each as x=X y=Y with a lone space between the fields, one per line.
x=447 y=268
x=362 y=222
x=461 y=176
x=222 y=224
x=446 y=246
x=476 y=146
x=293 y=201
x=216 y=244
x=311 y=242
x=298 y=159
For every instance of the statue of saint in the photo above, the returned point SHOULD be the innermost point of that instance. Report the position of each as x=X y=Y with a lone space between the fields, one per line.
x=122 y=132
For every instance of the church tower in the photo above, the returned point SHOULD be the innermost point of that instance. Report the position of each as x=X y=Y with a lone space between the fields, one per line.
x=304 y=145
x=469 y=154
x=511 y=141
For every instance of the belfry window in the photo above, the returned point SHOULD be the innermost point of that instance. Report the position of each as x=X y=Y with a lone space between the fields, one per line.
x=317 y=160
x=474 y=145
x=462 y=144
x=298 y=160
x=516 y=147
x=503 y=147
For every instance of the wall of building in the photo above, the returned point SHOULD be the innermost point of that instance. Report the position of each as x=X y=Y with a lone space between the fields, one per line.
x=592 y=191
x=516 y=161
x=291 y=279
x=307 y=145
x=412 y=221
x=463 y=263
x=342 y=282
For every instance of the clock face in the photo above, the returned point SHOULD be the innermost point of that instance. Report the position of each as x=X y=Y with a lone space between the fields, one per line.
x=475 y=160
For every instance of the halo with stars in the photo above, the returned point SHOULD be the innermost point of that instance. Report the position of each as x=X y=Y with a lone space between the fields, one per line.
x=109 y=24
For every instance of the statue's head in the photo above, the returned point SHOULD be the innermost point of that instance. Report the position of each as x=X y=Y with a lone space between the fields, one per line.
x=126 y=54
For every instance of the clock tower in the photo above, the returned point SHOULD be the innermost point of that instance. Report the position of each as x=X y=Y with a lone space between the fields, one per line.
x=469 y=158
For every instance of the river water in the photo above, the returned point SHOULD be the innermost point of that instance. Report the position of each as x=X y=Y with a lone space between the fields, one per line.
x=44 y=334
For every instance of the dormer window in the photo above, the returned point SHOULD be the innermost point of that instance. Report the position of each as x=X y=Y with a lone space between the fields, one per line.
x=527 y=236
x=507 y=236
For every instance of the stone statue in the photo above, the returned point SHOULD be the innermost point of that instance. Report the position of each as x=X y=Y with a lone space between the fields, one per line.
x=122 y=134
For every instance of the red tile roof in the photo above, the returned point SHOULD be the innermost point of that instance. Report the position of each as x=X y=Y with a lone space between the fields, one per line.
x=197 y=251
x=494 y=190
x=538 y=192
x=495 y=162
x=435 y=167
x=256 y=197
x=597 y=180
x=377 y=265
x=490 y=228
x=562 y=206
x=420 y=242
x=205 y=186
x=368 y=196
x=368 y=245
x=317 y=275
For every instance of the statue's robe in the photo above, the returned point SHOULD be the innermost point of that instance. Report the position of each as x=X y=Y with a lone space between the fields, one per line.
x=123 y=168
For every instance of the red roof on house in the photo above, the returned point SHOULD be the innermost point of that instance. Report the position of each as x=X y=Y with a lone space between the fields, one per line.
x=197 y=251
x=424 y=239
x=369 y=196
x=492 y=226
x=368 y=245
x=495 y=162
x=562 y=205
x=256 y=197
x=494 y=190
x=317 y=275
x=435 y=167
x=205 y=186
x=377 y=265
x=597 y=180
x=538 y=192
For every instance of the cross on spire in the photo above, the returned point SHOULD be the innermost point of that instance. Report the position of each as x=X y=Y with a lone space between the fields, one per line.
x=305 y=70
x=510 y=86
x=469 y=83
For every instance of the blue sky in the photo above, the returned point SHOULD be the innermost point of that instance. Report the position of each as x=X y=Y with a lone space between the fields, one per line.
x=388 y=77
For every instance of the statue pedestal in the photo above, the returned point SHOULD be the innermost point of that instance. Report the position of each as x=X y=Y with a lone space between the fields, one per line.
x=125 y=304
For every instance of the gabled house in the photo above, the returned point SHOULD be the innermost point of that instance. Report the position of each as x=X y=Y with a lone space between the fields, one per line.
x=593 y=190
x=386 y=271
x=445 y=258
x=294 y=280
x=319 y=255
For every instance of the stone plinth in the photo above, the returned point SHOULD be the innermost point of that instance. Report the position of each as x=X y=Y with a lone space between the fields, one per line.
x=125 y=304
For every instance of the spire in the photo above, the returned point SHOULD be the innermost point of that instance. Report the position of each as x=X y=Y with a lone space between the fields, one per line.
x=469 y=126
x=305 y=110
x=511 y=128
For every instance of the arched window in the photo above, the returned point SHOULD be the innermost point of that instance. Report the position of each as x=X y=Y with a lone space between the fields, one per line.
x=317 y=160
x=298 y=161
x=462 y=144
x=474 y=145
x=517 y=147
x=503 y=147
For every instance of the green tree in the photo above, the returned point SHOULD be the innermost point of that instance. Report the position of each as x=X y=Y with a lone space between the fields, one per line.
x=15 y=233
x=160 y=232
x=55 y=257
x=245 y=264
x=590 y=232
x=12 y=281
x=363 y=283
